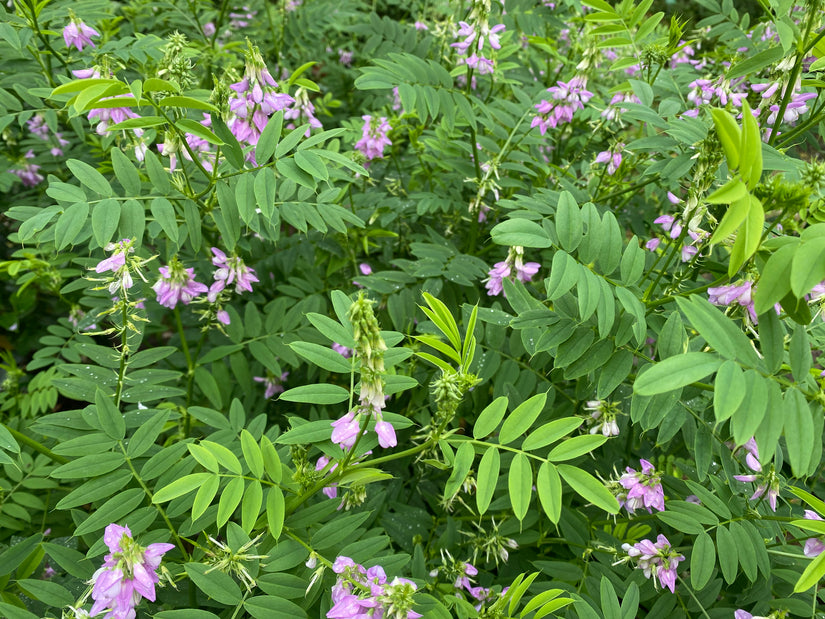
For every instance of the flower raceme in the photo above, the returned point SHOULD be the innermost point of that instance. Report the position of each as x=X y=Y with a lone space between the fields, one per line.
x=374 y=137
x=360 y=593
x=177 y=284
x=656 y=560
x=230 y=269
x=566 y=99
x=128 y=573
x=524 y=271
x=255 y=100
x=79 y=34
x=369 y=347
x=644 y=489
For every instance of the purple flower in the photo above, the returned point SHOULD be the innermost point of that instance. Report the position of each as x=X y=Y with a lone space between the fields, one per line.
x=496 y=277
x=342 y=350
x=764 y=482
x=345 y=430
x=273 y=384
x=116 y=263
x=814 y=546
x=644 y=489
x=177 y=284
x=657 y=560
x=222 y=316
x=37 y=125
x=730 y=294
x=374 y=137
x=256 y=99
x=79 y=34
x=524 y=271
x=128 y=573
x=568 y=97
x=386 y=434
x=345 y=57
x=359 y=593
x=28 y=173
x=612 y=157
x=332 y=490
x=229 y=270
x=420 y=25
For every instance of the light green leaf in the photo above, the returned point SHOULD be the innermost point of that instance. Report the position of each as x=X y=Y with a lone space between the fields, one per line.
x=214 y=583
x=548 y=485
x=676 y=372
x=729 y=390
x=576 y=446
x=589 y=487
x=490 y=417
x=702 y=560
x=275 y=510
x=322 y=356
x=252 y=454
x=550 y=432
x=90 y=177
x=250 y=508
x=179 y=487
x=487 y=478
x=520 y=420
x=230 y=499
x=203 y=499
x=519 y=482
x=110 y=418
x=465 y=454
x=316 y=394
x=520 y=232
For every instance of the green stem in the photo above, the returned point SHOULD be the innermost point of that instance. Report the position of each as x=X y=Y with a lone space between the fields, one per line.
x=693 y=595
x=124 y=351
x=38 y=447
x=150 y=496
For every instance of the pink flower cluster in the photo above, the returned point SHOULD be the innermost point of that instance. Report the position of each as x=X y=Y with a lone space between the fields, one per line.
x=740 y=294
x=177 y=284
x=657 y=560
x=28 y=172
x=644 y=489
x=524 y=271
x=79 y=34
x=704 y=91
x=128 y=573
x=39 y=128
x=674 y=228
x=473 y=36
x=256 y=99
x=374 y=137
x=116 y=263
x=359 y=593
x=346 y=429
x=612 y=157
x=566 y=99
x=230 y=269
x=332 y=490
x=273 y=384
x=614 y=110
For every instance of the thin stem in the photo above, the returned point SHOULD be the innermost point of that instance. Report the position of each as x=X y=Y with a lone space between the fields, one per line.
x=124 y=352
x=38 y=447
x=693 y=595
x=150 y=496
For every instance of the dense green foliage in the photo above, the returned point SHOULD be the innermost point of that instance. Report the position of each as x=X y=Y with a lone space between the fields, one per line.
x=520 y=301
